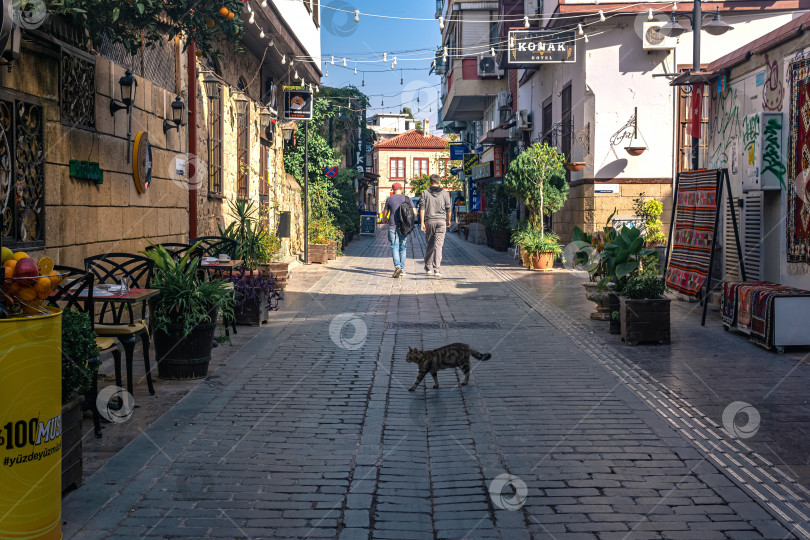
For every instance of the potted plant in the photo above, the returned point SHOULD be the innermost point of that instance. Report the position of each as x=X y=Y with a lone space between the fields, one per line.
x=587 y=257
x=650 y=213
x=274 y=267
x=79 y=366
x=537 y=176
x=319 y=231
x=184 y=314
x=644 y=311
x=538 y=249
x=496 y=218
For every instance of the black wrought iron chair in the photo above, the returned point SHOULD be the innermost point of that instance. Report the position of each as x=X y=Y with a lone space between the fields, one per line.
x=212 y=246
x=118 y=319
x=75 y=292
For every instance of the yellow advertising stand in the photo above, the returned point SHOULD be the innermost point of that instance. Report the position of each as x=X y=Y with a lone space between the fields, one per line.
x=31 y=427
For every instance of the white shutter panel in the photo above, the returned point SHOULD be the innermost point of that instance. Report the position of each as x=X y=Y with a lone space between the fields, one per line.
x=752 y=233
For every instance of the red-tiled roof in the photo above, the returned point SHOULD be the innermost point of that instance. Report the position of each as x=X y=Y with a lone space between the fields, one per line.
x=413 y=139
x=763 y=44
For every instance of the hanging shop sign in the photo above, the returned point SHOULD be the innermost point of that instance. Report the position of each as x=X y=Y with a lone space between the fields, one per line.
x=482 y=171
x=457 y=151
x=297 y=103
x=469 y=161
x=142 y=162
x=533 y=47
x=475 y=197
x=497 y=162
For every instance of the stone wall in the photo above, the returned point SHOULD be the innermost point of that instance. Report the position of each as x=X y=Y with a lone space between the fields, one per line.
x=590 y=211
x=81 y=217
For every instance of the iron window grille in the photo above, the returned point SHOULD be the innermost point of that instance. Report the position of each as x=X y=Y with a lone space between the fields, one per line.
x=215 y=146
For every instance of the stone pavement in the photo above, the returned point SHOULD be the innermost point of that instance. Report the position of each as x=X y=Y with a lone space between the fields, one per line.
x=310 y=432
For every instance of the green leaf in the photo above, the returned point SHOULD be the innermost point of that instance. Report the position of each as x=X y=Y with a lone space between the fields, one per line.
x=116 y=12
x=635 y=246
x=625 y=268
x=141 y=8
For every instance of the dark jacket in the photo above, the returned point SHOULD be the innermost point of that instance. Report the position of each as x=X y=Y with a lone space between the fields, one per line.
x=436 y=204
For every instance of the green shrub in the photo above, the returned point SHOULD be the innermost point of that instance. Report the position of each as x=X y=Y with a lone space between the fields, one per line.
x=78 y=346
x=644 y=287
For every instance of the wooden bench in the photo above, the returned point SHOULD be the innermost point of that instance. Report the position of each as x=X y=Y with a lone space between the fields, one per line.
x=465 y=219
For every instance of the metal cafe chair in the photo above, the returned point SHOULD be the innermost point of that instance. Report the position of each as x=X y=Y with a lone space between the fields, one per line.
x=75 y=292
x=117 y=319
x=212 y=246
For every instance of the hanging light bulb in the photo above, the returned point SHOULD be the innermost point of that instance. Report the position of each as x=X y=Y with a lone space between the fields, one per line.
x=492 y=51
x=252 y=18
x=393 y=64
x=264 y=3
x=580 y=31
x=333 y=61
x=674 y=6
x=650 y=15
x=283 y=59
x=441 y=23
x=601 y=15
x=385 y=57
x=363 y=82
x=526 y=21
x=355 y=70
x=344 y=62
x=401 y=80
x=395 y=60
x=586 y=38
x=296 y=74
x=356 y=15
x=433 y=64
x=444 y=55
x=270 y=43
x=261 y=34
x=317 y=88
x=326 y=73
x=250 y=9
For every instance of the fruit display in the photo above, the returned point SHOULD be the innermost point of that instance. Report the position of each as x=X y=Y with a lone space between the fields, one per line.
x=26 y=284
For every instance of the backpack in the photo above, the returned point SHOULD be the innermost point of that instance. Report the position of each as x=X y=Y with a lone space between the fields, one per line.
x=404 y=218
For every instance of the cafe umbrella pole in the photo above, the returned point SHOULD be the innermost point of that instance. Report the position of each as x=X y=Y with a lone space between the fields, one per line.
x=306 y=192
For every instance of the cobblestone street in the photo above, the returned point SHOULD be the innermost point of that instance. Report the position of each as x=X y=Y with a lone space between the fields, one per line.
x=309 y=430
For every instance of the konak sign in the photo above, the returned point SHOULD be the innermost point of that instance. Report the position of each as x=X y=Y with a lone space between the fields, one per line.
x=533 y=47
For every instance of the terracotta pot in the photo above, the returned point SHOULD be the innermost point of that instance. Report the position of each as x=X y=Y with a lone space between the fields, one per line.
x=318 y=253
x=543 y=261
x=575 y=166
x=635 y=150
x=601 y=299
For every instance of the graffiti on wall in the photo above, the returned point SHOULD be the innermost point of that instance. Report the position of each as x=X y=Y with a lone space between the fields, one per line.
x=773 y=89
x=726 y=127
x=750 y=134
x=772 y=152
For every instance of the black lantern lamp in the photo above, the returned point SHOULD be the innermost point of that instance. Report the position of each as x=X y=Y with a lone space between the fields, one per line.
x=242 y=102
x=177 y=116
x=717 y=26
x=672 y=28
x=128 y=84
x=212 y=85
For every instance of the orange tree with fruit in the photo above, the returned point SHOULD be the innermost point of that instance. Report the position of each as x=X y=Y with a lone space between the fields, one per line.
x=144 y=23
x=26 y=282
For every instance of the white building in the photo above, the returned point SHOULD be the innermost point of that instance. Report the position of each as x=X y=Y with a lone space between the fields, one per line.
x=389 y=125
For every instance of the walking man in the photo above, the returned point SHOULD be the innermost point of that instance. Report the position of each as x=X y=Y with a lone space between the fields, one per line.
x=397 y=236
x=434 y=212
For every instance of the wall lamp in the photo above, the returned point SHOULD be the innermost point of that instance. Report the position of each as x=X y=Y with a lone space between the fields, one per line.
x=212 y=85
x=177 y=116
x=242 y=102
x=128 y=84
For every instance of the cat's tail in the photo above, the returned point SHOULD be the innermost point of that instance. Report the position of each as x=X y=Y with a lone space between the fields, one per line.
x=480 y=356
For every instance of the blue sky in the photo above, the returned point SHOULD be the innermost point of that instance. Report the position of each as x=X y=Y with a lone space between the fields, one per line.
x=341 y=36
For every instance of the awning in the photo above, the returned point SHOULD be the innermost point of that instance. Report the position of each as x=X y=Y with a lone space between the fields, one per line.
x=689 y=78
x=494 y=136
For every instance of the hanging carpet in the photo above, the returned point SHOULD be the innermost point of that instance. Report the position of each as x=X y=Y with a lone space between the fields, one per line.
x=798 y=194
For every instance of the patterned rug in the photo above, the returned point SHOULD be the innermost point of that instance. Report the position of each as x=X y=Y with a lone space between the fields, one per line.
x=693 y=239
x=798 y=195
x=749 y=305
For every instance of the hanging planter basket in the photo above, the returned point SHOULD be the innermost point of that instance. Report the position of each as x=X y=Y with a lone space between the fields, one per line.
x=575 y=166
x=635 y=150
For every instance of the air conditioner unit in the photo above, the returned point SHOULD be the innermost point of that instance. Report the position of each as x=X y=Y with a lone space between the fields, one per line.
x=524 y=120
x=487 y=67
x=504 y=100
x=653 y=40
x=515 y=134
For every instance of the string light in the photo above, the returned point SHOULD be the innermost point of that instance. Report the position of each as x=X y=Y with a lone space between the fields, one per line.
x=580 y=31
x=586 y=38
x=344 y=62
x=356 y=15
x=355 y=70
x=333 y=61
x=441 y=23
x=385 y=57
x=283 y=59
x=601 y=15
x=326 y=73
x=401 y=79
x=650 y=15
x=296 y=74
x=250 y=9
x=252 y=17
x=492 y=51
x=526 y=21
x=261 y=34
x=395 y=60
x=264 y=3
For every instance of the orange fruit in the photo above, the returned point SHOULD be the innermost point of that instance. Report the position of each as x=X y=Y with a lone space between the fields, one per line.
x=224 y=11
x=230 y=15
x=199 y=53
x=9 y=272
x=11 y=263
x=45 y=265
x=26 y=294
x=55 y=278
x=42 y=295
x=209 y=23
x=14 y=287
x=42 y=286
x=20 y=255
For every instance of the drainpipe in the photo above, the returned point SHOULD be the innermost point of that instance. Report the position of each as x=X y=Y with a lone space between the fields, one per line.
x=192 y=140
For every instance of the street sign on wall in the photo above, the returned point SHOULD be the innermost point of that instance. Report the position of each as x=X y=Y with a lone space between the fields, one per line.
x=297 y=104
x=533 y=47
x=457 y=151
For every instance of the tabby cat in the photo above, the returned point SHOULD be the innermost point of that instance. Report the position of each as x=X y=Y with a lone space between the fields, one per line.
x=449 y=356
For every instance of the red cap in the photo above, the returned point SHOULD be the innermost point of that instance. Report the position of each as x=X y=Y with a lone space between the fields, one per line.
x=396 y=185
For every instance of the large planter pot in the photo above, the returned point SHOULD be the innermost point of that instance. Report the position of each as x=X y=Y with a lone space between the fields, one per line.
x=72 y=444
x=500 y=239
x=542 y=261
x=601 y=298
x=184 y=357
x=280 y=272
x=644 y=320
x=318 y=253
x=331 y=250
x=251 y=312
x=615 y=306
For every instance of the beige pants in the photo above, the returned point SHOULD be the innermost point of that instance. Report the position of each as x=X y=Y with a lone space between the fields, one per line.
x=434 y=231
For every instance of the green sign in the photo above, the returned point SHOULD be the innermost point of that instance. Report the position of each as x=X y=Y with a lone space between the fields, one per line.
x=469 y=161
